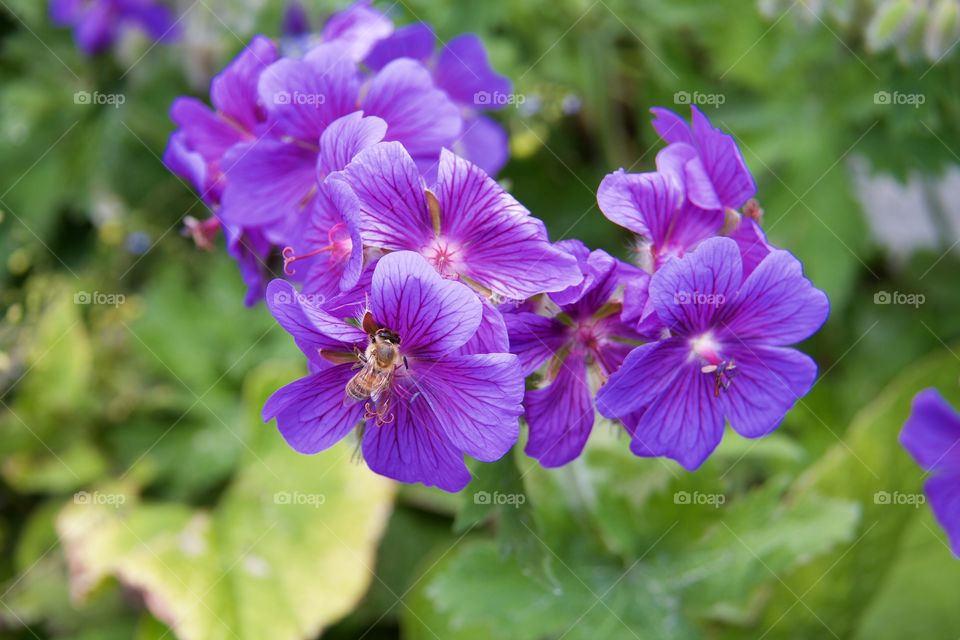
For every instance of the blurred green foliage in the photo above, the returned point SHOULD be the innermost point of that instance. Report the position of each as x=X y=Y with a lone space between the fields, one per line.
x=138 y=488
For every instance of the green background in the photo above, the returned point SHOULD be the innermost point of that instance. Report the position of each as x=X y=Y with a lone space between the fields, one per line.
x=142 y=497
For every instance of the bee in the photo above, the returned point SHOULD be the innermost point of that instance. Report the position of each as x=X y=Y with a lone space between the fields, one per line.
x=723 y=375
x=377 y=364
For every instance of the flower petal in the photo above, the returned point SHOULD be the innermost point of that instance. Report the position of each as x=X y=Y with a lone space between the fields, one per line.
x=413 y=449
x=932 y=433
x=234 y=92
x=433 y=316
x=776 y=305
x=268 y=182
x=484 y=143
x=303 y=96
x=683 y=163
x=765 y=384
x=493 y=230
x=752 y=242
x=410 y=41
x=944 y=493
x=689 y=292
x=417 y=113
x=581 y=252
x=189 y=165
x=474 y=399
x=671 y=127
x=464 y=71
x=534 y=338
x=345 y=138
x=310 y=412
x=334 y=220
x=205 y=132
x=394 y=212
x=723 y=162
x=491 y=335
x=311 y=328
x=356 y=29
x=641 y=202
x=250 y=249
x=647 y=372
x=560 y=415
x=684 y=423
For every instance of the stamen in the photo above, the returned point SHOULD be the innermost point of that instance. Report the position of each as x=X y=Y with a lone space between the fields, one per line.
x=381 y=415
x=288 y=257
x=723 y=375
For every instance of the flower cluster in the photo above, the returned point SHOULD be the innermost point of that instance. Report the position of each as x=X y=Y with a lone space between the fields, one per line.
x=285 y=117
x=696 y=336
x=932 y=436
x=423 y=295
x=97 y=24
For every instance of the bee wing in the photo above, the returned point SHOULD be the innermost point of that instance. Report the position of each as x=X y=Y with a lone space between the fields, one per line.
x=368 y=383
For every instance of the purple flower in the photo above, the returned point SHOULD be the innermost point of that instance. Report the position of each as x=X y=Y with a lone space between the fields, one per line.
x=98 y=23
x=311 y=106
x=357 y=29
x=716 y=176
x=725 y=356
x=196 y=150
x=422 y=405
x=654 y=206
x=700 y=182
x=581 y=338
x=295 y=22
x=714 y=170
x=466 y=226
x=932 y=436
x=462 y=70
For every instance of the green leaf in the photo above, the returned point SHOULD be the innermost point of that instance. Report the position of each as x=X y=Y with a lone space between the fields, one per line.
x=867 y=465
x=919 y=598
x=592 y=598
x=757 y=539
x=497 y=491
x=79 y=464
x=288 y=550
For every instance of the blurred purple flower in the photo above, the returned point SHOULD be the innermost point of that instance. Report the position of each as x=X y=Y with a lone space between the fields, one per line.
x=98 y=23
x=431 y=406
x=932 y=436
x=313 y=128
x=295 y=21
x=461 y=68
x=357 y=29
x=582 y=339
x=725 y=355
x=197 y=148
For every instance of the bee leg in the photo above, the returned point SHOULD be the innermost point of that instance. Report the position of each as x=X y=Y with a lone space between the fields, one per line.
x=405 y=363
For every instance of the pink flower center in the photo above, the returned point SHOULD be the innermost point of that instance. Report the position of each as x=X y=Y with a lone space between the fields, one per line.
x=706 y=349
x=444 y=255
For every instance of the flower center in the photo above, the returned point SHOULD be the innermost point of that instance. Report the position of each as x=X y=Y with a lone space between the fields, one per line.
x=706 y=348
x=444 y=255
